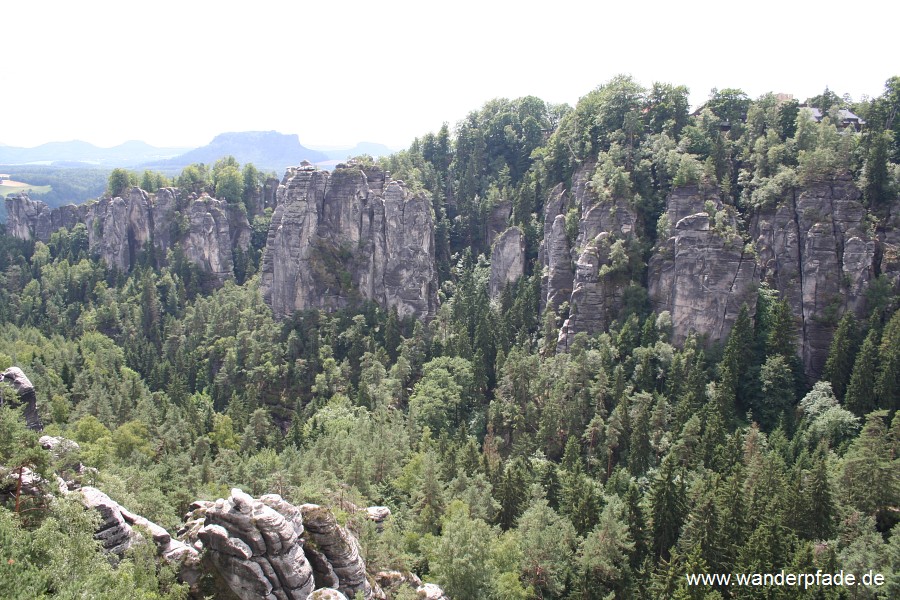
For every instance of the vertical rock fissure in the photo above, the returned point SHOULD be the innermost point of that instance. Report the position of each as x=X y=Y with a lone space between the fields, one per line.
x=731 y=291
x=800 y=242
x=838 y=235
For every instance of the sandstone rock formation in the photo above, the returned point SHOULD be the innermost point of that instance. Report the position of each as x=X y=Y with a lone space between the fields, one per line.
x=498 y=222
x=334 y=553
x=588 y=274
x=554 y=256
x=431 y=591
x=120 y=228
x=26 y=396
x=815 y=248
x=254 y=545
x=701 y=272
x=507 y=260
x=117 y=533
x=888 y=247
x=27 y=219
x=269 y=548
x=326 y=594
x=352 y=234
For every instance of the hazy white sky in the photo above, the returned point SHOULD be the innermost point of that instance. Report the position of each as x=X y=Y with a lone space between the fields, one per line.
x=176 y=73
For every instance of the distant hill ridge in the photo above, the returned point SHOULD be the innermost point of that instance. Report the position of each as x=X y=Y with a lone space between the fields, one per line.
x=268 y=150
x=127 y=154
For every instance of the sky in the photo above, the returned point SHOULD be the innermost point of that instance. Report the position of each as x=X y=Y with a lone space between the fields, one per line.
x=177 y=73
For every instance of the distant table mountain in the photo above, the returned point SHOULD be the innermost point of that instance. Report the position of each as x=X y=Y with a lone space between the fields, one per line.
x=265 y=149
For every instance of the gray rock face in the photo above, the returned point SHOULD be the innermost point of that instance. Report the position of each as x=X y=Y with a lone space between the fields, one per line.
x=117 y=534
x=15 y=377
x=601 y=276
x=701 y=273
x=599 y=289
x=253 y=546
x=326 y=594
x=270 y=193
x=27 y=219
x=208 y=241
x=269 y=548
x=585 y=276
x=498 y=221
x=815 y=248
x=507 y=260
x=122 y=227
x=339 y=237
x=888 y=248
x=119 y=228
x=342 y=567
x=431 y=591
x=554 y=256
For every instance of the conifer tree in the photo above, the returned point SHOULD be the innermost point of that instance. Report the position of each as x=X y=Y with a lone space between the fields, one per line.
x=860 y=396
x=668 y=508
x=844 y=346
x=734 y=365
x=887 y=386
x=870 y=475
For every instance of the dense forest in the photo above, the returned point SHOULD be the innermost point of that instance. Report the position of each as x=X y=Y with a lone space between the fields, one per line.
x=67 y=184
x=512 y=470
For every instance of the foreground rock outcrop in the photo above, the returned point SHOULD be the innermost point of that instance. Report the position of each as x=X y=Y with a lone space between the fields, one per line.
x=353 y=234
x=117 y=533
x=269 y=548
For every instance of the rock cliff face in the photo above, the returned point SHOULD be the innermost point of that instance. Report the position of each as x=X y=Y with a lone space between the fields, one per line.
x=554 y=256
x=507 y=260
x=887 y=250
x=27 y=219
x=591 y=276
x=120 y=228
x=347 y=235
x=815 y=248
x=701 y=272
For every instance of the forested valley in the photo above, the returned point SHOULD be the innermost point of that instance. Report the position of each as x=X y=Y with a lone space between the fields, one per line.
x=514 y=466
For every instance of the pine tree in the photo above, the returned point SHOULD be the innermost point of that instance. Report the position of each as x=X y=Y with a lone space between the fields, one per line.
x=870 y=476
x=668 y=508
x=819 y=500
x=844 y=346
x=860 y=396
x=734 y=365
x=637 y=525
x=604 y=566
x=512 y=493
x=887 y=386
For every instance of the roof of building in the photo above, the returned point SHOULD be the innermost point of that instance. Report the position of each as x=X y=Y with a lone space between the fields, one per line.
x=846 y=115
